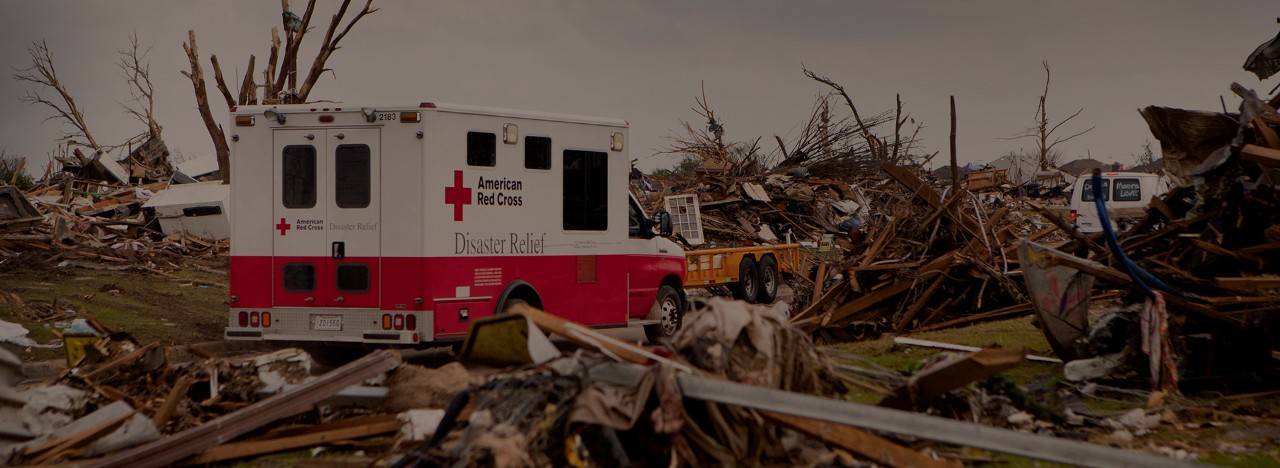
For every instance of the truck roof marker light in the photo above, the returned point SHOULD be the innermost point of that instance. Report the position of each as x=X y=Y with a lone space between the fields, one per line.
x=410 y=117
x=615 y=142
x=427 y=105
x=244 y=120
x=326 y=118
x=274 y=114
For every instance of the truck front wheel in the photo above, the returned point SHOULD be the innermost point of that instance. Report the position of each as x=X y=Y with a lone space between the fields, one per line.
x=670 y=315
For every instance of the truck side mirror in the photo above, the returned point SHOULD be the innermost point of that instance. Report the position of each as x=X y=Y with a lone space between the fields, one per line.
x=664 y=224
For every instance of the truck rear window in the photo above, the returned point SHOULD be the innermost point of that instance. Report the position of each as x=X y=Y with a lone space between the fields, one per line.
x=1086 y=190
x=299 y=176
x=586 y=191
x=299 y=277
x=352 y=176
x=1127 y=190
x=482 y=149
x=353 y=277
x=537 y=152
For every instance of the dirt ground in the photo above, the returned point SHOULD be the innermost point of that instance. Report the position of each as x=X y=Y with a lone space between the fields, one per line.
x=186 y=307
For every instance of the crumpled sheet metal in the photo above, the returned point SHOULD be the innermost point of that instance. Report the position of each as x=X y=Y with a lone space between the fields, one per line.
x=1265 y=60
x=1188 y=138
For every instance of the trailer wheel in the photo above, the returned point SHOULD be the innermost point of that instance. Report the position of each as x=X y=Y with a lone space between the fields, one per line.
x=671 y=314
x=768 y=280
x=748 y=286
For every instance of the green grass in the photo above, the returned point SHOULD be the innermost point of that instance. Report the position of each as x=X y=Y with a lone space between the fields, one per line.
x=186 y=309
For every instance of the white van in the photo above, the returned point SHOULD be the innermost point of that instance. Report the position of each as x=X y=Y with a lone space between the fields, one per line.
x=1126 y=195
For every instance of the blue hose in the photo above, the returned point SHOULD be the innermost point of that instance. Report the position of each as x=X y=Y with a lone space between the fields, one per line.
x=1140 y=276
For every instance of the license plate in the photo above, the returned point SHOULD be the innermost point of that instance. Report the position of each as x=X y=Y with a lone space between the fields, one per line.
x=326 y=322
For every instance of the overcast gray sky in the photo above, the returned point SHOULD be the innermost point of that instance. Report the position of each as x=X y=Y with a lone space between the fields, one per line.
x=643 y=61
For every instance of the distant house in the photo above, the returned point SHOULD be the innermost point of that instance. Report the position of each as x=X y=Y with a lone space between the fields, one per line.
x=1083 y=166
x=1153 y=167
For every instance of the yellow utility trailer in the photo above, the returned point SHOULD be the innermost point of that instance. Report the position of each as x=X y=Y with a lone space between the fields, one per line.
x=751 y=273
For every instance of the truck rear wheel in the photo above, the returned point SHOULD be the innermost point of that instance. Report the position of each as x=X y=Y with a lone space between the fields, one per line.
x=768 y=280
x=670 y=315
x=748 y=286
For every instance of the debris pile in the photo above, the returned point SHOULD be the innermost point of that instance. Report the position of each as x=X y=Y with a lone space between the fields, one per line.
x=888 y=247
x=98 y=225
x=1202 y=267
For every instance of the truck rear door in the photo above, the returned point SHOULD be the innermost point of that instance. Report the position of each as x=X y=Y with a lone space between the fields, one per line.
x=354 y=213
x=300 y=197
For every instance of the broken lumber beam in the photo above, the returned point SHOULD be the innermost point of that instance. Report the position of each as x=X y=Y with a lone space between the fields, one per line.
x=234 y=450
x=902 y=340
x=954 y=373
x=1260 y=154
x=858 y=441
x=1248 y=283
x=173 y=449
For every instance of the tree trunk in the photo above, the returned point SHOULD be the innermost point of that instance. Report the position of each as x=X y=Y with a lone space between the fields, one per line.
x=202 y=103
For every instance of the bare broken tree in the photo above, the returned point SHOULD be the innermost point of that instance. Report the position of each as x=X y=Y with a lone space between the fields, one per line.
x=280 y=76
x=43 y=74
x=136 y=67
x=1043 y=133
x=196 y=75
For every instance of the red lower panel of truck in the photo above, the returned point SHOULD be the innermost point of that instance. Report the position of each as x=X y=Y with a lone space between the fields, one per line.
x=593 y=290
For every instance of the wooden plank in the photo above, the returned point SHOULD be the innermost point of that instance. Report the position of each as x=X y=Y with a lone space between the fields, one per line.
x=174 y=448
x=1268 y=135
x=261 y=447
x=919 y=304
x=171 y=401
x=1248 y=283
x=858 y=441
x=819 y=281
x=944 y=377
x=868 y=300
x=1261 y=155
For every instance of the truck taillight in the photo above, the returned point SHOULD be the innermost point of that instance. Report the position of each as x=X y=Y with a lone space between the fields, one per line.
x=386 y=321
x=410 y=117
x=266 y=319
x=1074 y=215
x=399 y=322
x=253 y=319
x=244 y=319
x=411 y=322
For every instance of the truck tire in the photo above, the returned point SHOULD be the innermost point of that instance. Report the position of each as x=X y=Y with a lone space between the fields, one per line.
x=769 y=278
x=748 y=285
x=670 y=315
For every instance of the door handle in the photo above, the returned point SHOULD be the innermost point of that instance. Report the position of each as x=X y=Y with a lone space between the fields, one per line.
x=338 y=250
x=339 y=299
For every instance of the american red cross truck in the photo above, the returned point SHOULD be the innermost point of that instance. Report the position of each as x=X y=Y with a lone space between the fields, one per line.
x=404 y=224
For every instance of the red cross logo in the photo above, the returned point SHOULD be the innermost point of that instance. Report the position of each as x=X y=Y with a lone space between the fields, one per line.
x=283 y=226
x=457 y=195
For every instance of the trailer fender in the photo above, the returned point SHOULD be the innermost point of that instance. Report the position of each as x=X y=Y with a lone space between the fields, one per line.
x=518 y=289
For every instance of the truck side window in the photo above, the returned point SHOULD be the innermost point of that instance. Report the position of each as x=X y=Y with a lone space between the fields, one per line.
x=351 y=178
x=482 y=149
x=537 y=152
x=1127 y=190
x=299 y=176
x=586 y=191
x=1086 y=189
x=353 y=277
x=299 y=277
